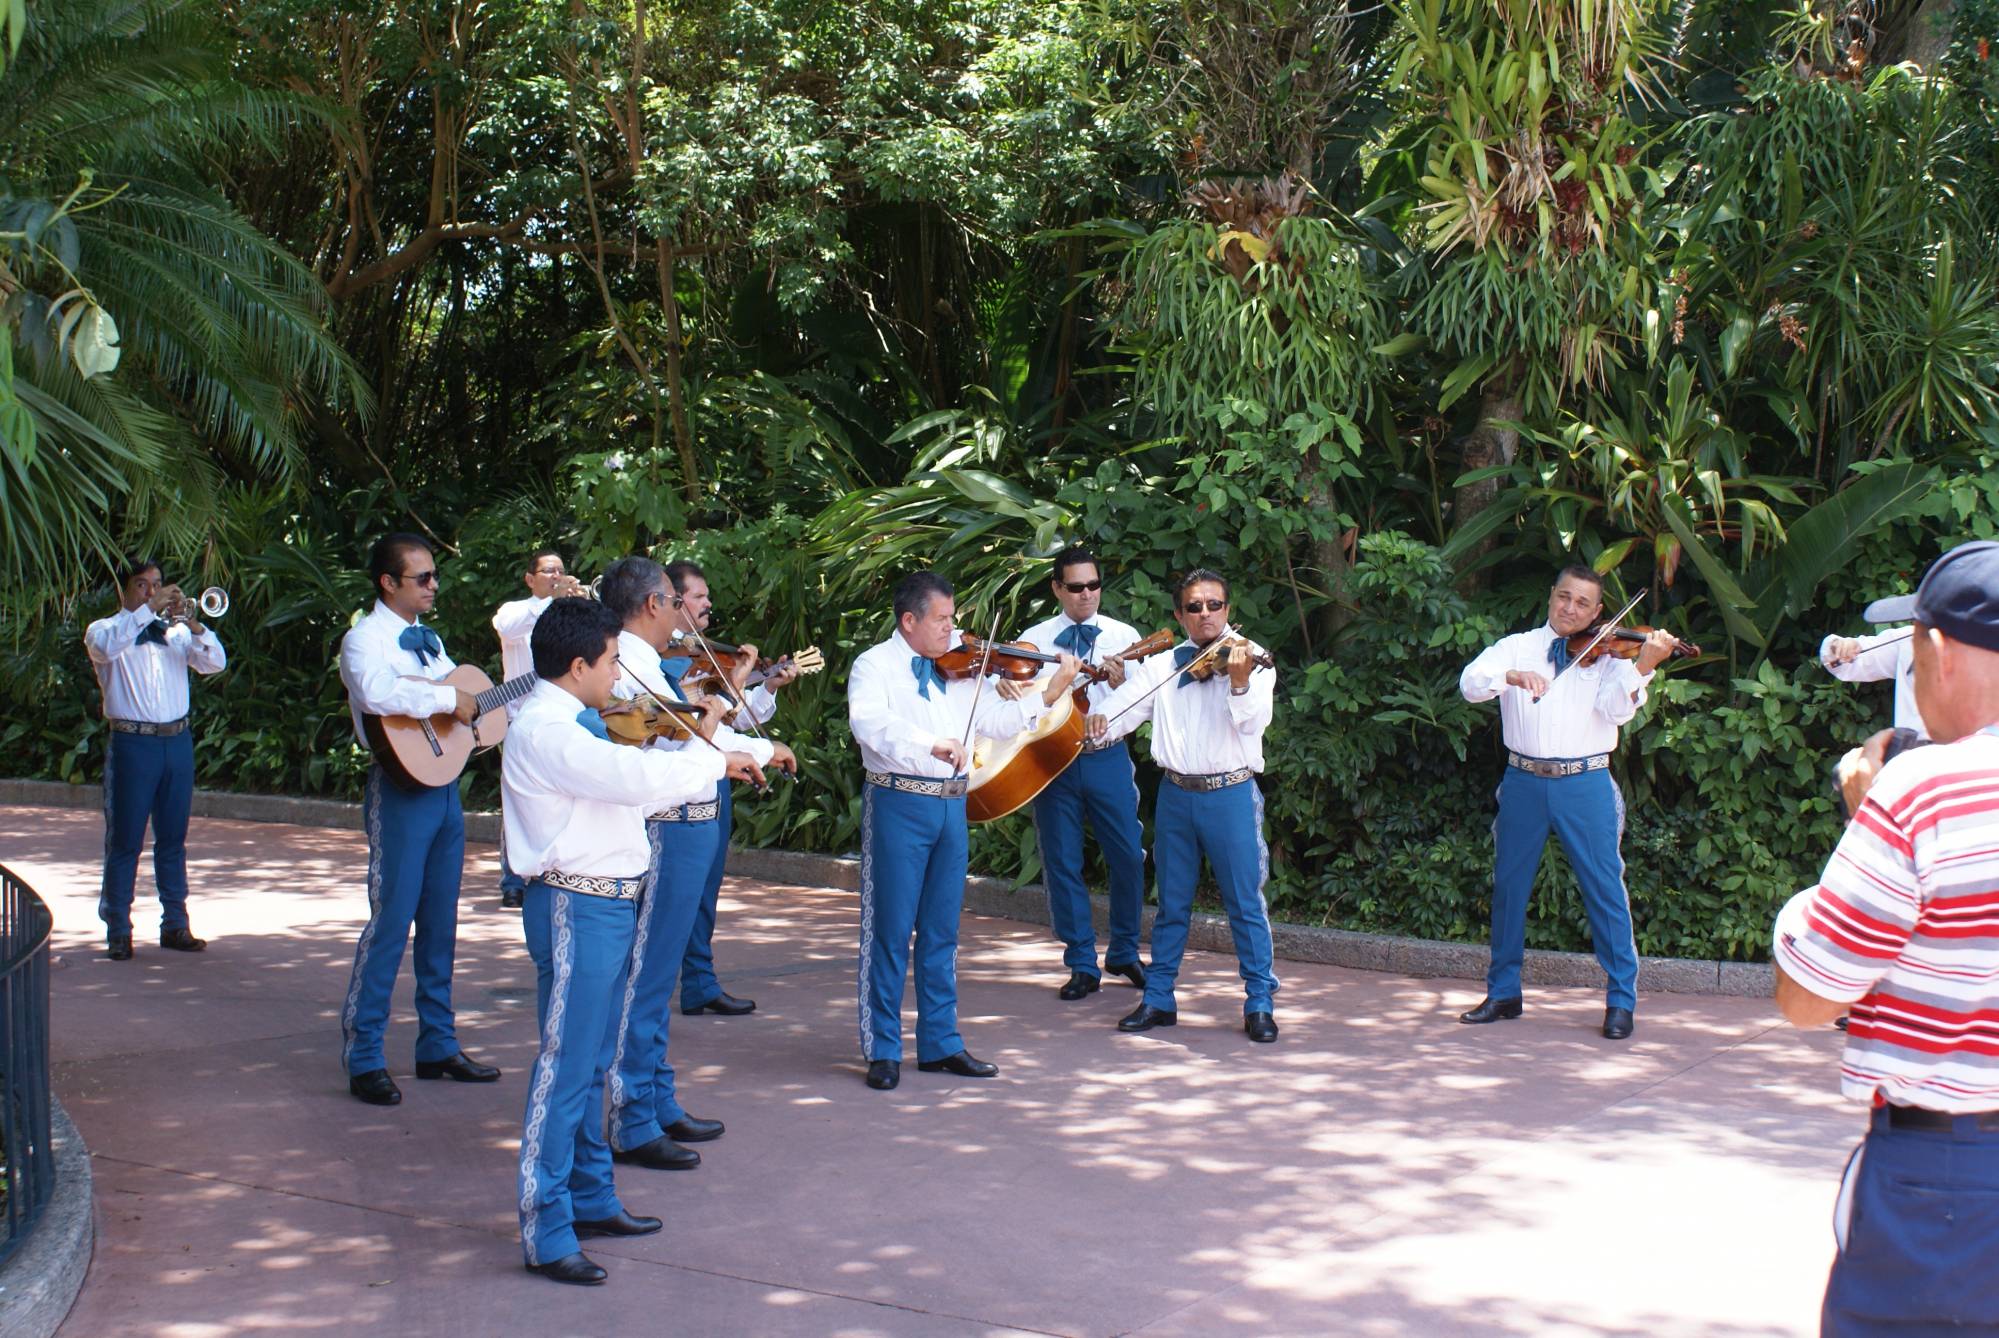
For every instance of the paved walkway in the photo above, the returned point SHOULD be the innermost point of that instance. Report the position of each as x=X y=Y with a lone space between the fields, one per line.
x=1379 y=1171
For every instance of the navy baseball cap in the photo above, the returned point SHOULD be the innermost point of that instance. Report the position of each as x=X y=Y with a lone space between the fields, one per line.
x=1959 y=597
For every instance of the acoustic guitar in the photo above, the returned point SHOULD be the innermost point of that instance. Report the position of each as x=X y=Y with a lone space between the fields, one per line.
x=423 y=752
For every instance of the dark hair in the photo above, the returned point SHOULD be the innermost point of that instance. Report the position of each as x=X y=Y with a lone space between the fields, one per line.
x=129 y=570
x=1195 y=577
x=387 y=556
x=627 y=583
x=913 y=593
x=569 y=629
x=679 y=571
x=1073 y=556
x=534 y=558
x=1581 y=573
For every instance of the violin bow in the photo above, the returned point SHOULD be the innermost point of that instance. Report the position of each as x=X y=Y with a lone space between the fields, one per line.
x=1206 y=653
x=714 y=663
x=978 y=685
x=666 y=705
x=1608 y=627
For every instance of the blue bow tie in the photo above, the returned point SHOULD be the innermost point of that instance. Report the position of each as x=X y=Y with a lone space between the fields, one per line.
x=1079 y=639
x=422 y=640
x=673 y=669
x=1182 y=657
x=591 y=720
x=1558 y=652
x=154 y=633
x=926 y=673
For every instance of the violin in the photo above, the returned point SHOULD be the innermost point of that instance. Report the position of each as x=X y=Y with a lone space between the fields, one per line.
x=1623 y=643
x=731 y=660
x=640 y=720
x=1022 y=661
x=1203 y=670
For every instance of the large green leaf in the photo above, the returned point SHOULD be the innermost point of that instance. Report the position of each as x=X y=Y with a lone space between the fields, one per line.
x=1823 y=540
x=1721 y=582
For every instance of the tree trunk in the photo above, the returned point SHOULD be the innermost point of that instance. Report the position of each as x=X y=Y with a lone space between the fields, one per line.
x=1487 y=444
x=1330 y=557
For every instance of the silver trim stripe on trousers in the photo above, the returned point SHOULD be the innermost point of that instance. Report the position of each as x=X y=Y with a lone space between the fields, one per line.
x=1549 y=768
x=924 y=785
x=159 y=728
x=591 y=885
x=615 y=1079
x=545 y=1065
x=867 y=920
x=1220 y=780
x=707 y=812
x=372 y=820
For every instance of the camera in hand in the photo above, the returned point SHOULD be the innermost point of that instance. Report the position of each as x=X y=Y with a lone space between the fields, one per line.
x=1899 y=740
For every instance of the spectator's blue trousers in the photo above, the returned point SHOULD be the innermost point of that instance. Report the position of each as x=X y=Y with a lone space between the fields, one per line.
x=1225 y=826
x=912 y=881
x=1587 y=812
x=147 y=778
x=1921 y=1235
x=641 y=1077
x=1101 y=786
x=698 y=984
x=581 y=947
x=416 y=854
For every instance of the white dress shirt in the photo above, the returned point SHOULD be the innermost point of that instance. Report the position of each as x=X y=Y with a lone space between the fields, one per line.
x=1582 y=711
x=515 y=622
x=1198 y=729
x=147 y=682
x=1112 y=637
x=574 y=803
x=896 y=726
x=1886 y=655
x=373 y=665
x=638 y=660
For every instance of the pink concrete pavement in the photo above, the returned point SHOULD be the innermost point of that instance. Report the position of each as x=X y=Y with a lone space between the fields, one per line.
x=1379 y=1171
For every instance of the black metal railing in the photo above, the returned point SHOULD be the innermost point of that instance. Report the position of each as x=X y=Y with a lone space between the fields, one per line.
x=27 y=1161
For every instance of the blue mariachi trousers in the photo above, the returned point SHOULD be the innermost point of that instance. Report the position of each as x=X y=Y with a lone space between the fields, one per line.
x=146 y=777
x=641 y=1077
x=1587 y=813
x=698 y=984
x=912 y=880
x=1102 y=786
x=416 y=853
x=1227 y=827
x=581 y=947
x=1921 y=1236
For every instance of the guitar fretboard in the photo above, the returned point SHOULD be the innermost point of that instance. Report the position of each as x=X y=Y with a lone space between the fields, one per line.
x=492 y=699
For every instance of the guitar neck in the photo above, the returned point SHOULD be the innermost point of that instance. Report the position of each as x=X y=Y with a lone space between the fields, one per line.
x=493 y=698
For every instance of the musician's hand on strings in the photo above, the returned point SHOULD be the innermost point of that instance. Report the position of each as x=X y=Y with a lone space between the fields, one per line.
x=1065 y=675
x=783 y=758
x=1012 y=690
x=743 y=767
x=950 y=750
x=1841 y=650
x=712 y=711
x=780 y=673
x=1114 y=670
x=1536 y=685
x=1658 y=647
x=1096 y=727
x=746 y=664
x=1860 y=766
x=1239 y=665
x=467 y=708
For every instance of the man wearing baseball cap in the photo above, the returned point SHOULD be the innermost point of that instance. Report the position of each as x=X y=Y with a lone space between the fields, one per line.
x=1903 y=929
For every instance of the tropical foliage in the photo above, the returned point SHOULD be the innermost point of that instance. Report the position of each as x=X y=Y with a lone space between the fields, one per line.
x=1386 y=311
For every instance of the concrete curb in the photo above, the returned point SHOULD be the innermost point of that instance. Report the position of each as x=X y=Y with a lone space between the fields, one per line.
x=39 y=1284
x=996 y=897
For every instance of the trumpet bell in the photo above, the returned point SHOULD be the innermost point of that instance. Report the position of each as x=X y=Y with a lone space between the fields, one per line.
x=214 y=602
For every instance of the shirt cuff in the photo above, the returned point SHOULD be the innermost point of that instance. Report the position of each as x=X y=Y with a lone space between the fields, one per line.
x=447 y=699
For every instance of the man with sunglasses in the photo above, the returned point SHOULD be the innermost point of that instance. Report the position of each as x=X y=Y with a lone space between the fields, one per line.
x=1101 y=785
x=416 y=838
x=513 y=622
x=1207 y=735
x=700 y=989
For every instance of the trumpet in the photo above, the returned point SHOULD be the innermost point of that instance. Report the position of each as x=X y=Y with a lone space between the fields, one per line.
x=209 y=605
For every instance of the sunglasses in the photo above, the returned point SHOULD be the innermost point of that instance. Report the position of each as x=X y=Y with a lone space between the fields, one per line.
x=421 y=578
x=1078 y=587
x=1204 y=606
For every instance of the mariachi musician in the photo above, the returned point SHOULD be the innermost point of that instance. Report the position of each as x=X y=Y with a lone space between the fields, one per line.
x=1100 y=785
x=1209 y=705
x=416 y=836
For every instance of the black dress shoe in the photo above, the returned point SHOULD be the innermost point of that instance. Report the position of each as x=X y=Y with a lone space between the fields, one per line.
x=624 y=1224
x=376 y=1087
x=576 y=1269
x=119 y=949
x=1616 y=1023
x=725 y=1004
x=1131 y=971
x=1260 y=1026
x=691 y=1130
x=511 y=898
x=1492 y=1010
x=884 y=1074
x=961 y=1064
x=662 y=1154
x=1080 y=983
x=458 y=1068
x=181 y=940
x=1145 y=1017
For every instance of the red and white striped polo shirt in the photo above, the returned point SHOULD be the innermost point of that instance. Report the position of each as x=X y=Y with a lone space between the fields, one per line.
x=1904 y=924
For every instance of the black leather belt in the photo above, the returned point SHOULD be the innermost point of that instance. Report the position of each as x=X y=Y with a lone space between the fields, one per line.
x=1220 y=780
x=1940 y=1121
x=160 y=728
